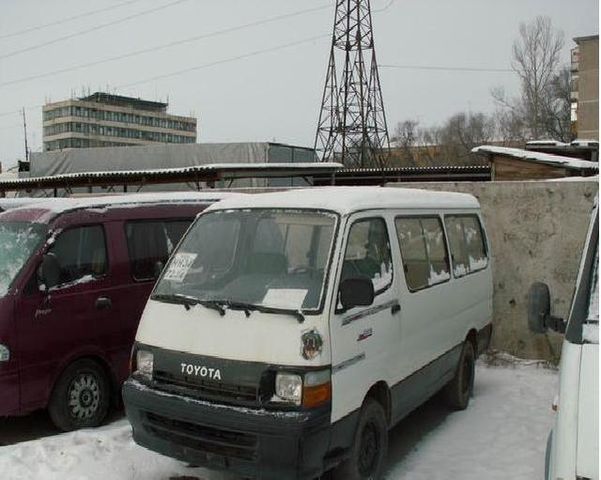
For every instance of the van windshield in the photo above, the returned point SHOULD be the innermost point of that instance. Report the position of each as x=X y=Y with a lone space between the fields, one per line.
x=18 y=240
x=262 y=257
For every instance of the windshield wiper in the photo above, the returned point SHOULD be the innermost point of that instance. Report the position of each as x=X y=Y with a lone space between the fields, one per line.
x=248 y=307
x=189 y=302
x=176 y=298
x=221 y=305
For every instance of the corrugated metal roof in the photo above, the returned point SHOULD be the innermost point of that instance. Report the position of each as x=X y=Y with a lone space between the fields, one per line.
x=196 y=173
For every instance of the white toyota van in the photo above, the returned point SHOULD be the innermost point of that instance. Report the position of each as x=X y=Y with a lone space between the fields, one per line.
x=291 y=330
x=573 y=444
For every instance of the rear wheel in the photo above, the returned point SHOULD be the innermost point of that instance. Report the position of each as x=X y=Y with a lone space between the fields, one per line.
x=369 y=448
x=458 y=391
x=80 y=398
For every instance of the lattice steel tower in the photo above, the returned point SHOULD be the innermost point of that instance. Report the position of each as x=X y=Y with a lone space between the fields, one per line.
x=352 y=124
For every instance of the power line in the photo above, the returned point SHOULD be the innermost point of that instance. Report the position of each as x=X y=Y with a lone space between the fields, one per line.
x=258 y=52
x=165 y=45
x=449 y=69
x=89 y=30
x=198 y=67
x=68 y=19
x=226 y=60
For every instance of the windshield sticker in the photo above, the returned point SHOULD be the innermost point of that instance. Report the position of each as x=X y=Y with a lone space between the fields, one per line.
x=179 y=266
x=290 y=298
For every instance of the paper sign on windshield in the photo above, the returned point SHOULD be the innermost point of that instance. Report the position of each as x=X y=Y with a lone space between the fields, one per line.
x=291 y=298
x=179 y=266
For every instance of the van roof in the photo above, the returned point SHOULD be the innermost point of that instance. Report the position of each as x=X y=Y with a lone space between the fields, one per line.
x=345 y=200
x=50 y=208
x=60 y=205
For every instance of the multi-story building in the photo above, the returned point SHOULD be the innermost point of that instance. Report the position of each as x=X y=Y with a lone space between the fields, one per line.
x=585 y=87
x=103 y=120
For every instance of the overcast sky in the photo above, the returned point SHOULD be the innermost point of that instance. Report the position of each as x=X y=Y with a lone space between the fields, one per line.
x=250 y=76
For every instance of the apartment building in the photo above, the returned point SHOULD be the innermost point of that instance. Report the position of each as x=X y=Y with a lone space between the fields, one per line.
x=585 y=87
x=106 y=120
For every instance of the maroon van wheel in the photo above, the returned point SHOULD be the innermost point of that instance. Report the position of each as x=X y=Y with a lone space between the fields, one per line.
x=81 y=397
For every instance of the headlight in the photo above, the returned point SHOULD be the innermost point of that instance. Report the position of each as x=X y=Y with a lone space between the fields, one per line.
x=289 y=387
x=4 y=353
x=144 y=362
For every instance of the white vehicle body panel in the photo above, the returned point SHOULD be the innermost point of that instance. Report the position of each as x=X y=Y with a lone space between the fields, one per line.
x=430 y=323
x=565 y=432
x=587 y=452
x=573 y=447
x=261 y=337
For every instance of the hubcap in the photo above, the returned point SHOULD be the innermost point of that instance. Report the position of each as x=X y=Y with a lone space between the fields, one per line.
x=369 y=448
x=84 y=396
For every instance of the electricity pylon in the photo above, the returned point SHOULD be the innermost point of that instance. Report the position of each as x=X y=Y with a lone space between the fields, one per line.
x=352 y=123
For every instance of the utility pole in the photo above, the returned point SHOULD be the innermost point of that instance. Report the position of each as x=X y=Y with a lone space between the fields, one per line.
x=25 y=135
x=352 y=123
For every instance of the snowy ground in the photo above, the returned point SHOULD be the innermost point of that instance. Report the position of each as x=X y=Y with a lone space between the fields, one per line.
x=501 y=435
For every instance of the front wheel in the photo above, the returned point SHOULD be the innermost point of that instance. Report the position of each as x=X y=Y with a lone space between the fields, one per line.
x=80 y=398
x=370 y=445
x=458 y=391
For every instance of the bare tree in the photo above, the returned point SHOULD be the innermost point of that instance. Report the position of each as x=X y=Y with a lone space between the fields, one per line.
x=449 y=144
x=405 y=137
x=541 y=109
x=464 y=131
x=556 y=108
x=536 y=56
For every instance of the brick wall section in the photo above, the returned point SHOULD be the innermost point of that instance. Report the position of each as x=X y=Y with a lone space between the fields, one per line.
x=536 y=231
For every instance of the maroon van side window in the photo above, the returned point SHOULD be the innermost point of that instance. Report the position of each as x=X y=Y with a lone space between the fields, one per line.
x=81 y=252
x=151 y=242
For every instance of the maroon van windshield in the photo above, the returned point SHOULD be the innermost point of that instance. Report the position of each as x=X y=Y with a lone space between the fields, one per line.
x=18 y=240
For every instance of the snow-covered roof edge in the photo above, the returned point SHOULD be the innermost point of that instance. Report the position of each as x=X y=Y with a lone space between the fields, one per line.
x=538 y=157
x=61 y=205
x=345 y=200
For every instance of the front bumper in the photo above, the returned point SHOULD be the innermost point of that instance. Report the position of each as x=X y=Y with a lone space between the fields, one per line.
x=257 y=443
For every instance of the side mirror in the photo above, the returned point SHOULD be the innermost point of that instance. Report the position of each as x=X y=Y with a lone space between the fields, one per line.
x=539 y=310
x=158 y=268
x=356 y=292
x=49 y=272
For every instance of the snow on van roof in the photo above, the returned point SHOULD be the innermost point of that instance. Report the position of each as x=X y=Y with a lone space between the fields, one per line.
x=345 y=200
x=7 y=203
x=60 y=205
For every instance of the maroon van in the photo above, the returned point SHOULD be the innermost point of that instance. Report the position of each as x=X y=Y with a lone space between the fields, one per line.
x=75 y=275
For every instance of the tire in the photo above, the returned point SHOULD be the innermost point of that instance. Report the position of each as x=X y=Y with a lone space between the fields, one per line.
x=81 y=397
x=458 y=391
x=370 y=446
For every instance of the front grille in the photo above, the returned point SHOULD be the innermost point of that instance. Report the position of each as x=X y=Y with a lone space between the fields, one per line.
x=202 y=438
x=243 y=395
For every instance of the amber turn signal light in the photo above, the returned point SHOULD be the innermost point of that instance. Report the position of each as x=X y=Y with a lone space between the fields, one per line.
x=315 y=396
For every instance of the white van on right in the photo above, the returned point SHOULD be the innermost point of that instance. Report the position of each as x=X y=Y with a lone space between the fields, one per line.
x=573 y=444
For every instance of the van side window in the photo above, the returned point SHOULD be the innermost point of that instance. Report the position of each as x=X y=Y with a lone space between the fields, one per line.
x=151 y=242
x=424 y=251
x=466 y=240
x=368 y=253
x=81 y=252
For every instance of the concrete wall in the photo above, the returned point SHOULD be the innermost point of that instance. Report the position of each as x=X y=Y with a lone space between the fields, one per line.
x=536 y=231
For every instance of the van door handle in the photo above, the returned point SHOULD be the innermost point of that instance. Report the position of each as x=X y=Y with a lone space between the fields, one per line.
x=396 y=308
x=103 y=303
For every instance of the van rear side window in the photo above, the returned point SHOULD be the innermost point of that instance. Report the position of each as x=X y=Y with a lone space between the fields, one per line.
x=151 y=242
x=466 y=240
x=424 y=251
